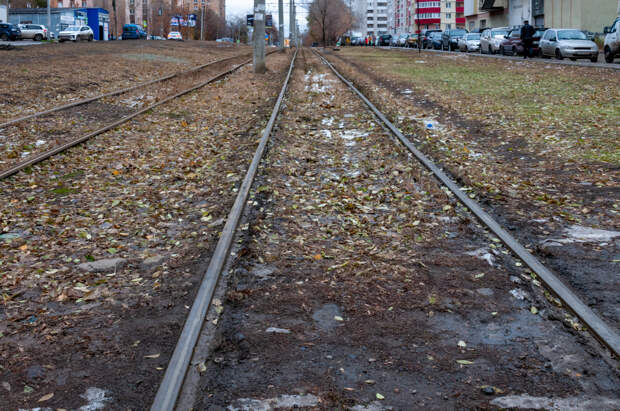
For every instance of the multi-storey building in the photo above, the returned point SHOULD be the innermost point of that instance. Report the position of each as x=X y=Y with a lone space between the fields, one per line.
x=376 y=17
x=444 y=14
x=400 y=16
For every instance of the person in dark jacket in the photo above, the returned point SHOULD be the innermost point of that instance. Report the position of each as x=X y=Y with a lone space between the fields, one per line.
x=527 y=38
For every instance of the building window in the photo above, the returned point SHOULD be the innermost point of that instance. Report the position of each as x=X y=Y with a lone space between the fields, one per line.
x=483 y=23
x=448 y=5
x=132 y=16
x=60 y=4
x=448 y=15
x=448 y=26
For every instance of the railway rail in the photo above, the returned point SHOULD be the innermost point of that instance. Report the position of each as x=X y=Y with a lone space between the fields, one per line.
x=34 y=159
x=608 y=336
x=179 y=363
x=175 y=373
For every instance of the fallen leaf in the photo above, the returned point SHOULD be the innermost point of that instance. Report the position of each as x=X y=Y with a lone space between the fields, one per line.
x=152 y=356
x=464 y=362
x=46 y=397
x=380 y=397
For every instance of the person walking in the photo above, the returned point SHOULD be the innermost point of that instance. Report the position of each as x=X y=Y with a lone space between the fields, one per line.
x=527 y=38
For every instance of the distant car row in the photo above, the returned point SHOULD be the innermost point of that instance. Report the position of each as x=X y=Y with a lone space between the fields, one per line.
x=553 y=42
x=36 y=32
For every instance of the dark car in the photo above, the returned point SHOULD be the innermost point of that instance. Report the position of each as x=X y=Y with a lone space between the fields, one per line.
x=427 y=42
x=436 y=40
x=513 y=45
x=384 y=40
x=9 y=31
x=450 y=38
x=133 y=31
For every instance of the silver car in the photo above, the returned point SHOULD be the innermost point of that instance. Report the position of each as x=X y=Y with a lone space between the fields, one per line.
x=402 y=40
x=490 y=40
x=37 y=32
x=76 y=33
x=569 y=43
x=470 y=42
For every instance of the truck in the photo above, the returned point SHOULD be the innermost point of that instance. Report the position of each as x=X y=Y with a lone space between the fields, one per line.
x=611 y=45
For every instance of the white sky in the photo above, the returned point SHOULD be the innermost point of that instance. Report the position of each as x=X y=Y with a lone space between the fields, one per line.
x=243 y=7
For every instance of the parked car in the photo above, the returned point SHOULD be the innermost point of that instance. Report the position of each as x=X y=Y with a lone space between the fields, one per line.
x=133 y=32
x=384 y=40
x=450 y=38
x=9 y=31
x=569 y=43
x=512 y=44
x=436 y=40
x=412 y=40
x=491 y=39
x=611 y=46
x=357 y=41
x=427 y=38
x=175 y=35
x=402 y=40
x=37 y=32
x=225 y=40
x=76 y=33
x=394 y=41
x=157 y=38
x=469 y=42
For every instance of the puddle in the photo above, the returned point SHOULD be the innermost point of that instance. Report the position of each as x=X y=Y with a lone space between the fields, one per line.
x=281 y=402
x=565 y=404
x=324 y=317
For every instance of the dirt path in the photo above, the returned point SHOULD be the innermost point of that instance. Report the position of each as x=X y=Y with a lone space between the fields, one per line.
x=363 y=285
x=101 y=248
x=554 y=199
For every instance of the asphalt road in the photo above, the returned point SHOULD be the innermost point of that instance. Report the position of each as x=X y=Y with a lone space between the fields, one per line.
x=580 y=63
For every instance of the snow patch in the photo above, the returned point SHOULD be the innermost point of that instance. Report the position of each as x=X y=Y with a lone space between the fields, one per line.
x=519 y=294
x=564 y=404
x=282 y=402
x=483 y=254
x=580 y=234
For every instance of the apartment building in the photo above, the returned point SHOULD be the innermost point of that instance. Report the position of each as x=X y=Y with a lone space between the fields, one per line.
x=444 y=15
x=590 y=15
x=400 y=16
x=376 y=17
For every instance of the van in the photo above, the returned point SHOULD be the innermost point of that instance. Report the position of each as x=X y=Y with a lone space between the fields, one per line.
x=133 y=31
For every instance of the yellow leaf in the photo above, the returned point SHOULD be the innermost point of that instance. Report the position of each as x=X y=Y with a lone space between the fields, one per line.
x=116 y=172
x=318 y=257
x=46 y=397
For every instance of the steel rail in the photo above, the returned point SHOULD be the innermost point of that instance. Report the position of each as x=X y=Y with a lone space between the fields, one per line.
x=607 y=335
x=47 y=154
x=172 y=382
x=114 y=93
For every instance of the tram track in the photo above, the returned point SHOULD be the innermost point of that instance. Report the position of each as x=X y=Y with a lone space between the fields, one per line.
x=180 y=362
x=64 y=143
x=606 y=335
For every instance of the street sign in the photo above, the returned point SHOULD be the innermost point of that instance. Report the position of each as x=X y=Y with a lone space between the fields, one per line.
x=269 y=20
x=250 y=20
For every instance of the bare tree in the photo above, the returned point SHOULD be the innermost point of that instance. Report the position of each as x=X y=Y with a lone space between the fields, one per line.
x=328 y=20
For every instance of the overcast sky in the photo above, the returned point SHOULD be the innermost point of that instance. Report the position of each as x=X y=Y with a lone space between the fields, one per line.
x=243 y=7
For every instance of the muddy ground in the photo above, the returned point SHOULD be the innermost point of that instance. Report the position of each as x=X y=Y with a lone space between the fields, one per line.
x=102 y=247
x=50 y=75
x=361 y=284
x=537 y=145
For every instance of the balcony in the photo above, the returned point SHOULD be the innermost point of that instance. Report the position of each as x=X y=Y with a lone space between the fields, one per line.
x=493 y=4
x=460 y=9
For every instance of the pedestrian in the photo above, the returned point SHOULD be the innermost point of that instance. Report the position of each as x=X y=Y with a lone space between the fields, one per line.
x=527 y=38
x=366 y=41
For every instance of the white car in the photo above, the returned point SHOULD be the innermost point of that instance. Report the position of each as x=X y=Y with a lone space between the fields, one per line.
x=175 y=35
x=612 y=41
x=37 y=32
x=76 y=33
x=490 y=40
x=469 y=42
x=569 y=43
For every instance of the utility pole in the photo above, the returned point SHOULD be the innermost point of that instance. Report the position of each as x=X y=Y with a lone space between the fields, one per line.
x=259 y=37
x=291 y=28
x=202 y=22
x=49 y=20
x=280 y=24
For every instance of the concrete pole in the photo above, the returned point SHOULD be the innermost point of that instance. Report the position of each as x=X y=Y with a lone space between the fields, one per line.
x=49 y=20
x=281 y=23
x=291 y=27
x=202 y=22
x=259 y=37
